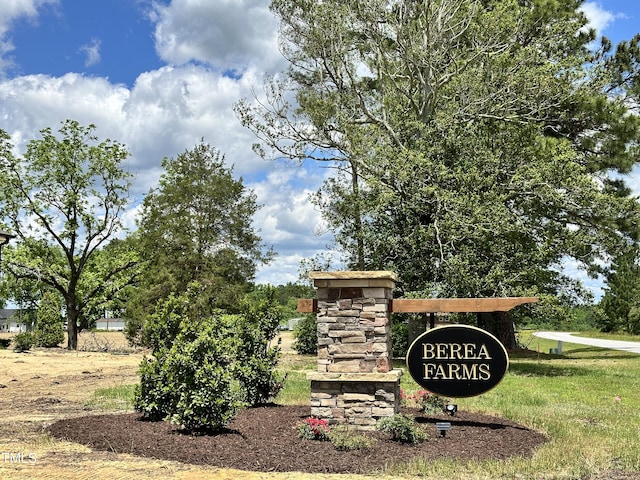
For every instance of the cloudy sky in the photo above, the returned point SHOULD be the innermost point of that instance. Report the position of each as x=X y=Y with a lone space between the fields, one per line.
x=159 y=76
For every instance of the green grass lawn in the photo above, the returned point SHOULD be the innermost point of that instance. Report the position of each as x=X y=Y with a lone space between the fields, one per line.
x=587 y=401
x=113 y=398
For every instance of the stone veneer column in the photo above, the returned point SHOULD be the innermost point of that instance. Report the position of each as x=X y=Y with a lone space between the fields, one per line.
x=355 y=382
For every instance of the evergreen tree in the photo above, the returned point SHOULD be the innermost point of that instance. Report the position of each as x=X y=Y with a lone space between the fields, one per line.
x=49 y=331
x=621 y=301
x=196 y=226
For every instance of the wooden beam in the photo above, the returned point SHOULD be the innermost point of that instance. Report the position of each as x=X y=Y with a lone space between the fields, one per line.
x=450 y=305
x=307 y=305
x=439 y=305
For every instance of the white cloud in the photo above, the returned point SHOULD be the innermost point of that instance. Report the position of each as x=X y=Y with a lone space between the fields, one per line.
x=227 y=34
x=165 y=112
x=30 y=103
x=599 y=18
x=288 y=221
x=92 y=52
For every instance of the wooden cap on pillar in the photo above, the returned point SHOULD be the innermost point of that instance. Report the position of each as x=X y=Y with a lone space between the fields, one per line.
x=353 y=278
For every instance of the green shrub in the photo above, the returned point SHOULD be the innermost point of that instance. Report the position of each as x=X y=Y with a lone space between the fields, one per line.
x=305 y=334
x=23 y=342
x=400 y=338
x=402 y=428
x=426 y=401
x=153 y=396
x=164 y=325
x=49 y=330
x=201 y=377
x=255 y=359
x=192 y=384
x=344 y=438
x=207 y=393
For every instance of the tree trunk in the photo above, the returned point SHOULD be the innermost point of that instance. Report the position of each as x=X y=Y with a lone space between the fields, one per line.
x=72 y=327
x=500 y=325
x=417 y=325
x=357 y=219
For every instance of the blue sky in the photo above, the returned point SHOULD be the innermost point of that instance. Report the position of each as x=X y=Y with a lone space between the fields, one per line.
x=160 y=75
x=106 y=38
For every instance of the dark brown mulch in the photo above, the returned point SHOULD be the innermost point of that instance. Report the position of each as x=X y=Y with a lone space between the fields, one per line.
x=265 y=439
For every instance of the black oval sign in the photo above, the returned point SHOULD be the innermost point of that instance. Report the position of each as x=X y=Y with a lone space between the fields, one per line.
x=457 y=361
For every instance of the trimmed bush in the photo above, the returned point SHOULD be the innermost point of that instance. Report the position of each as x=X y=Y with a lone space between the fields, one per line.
x=255 y=359
x=49 y=330
x=305 y=334
x=192 y=384
x=153 y=396
x=402 y=428
x=23 y=342
x=215 y=366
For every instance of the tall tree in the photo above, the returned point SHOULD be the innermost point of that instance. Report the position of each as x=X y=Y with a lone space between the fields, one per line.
x=485 y=136
x=622 y=294
x=64 y=199
x=196 y=226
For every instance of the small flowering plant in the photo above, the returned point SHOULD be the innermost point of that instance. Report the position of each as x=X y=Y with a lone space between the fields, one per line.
x=313 y=429
x=426 y=401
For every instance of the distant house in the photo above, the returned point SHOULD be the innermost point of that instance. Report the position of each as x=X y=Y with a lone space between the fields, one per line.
x=10 y=321
x=292 y=323
x=113 y=324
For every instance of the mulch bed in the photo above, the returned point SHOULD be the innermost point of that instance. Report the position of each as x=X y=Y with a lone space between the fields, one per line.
x=265 y=439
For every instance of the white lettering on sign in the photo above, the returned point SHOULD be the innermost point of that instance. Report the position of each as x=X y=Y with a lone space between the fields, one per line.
x=457 y=371
x=454 y=351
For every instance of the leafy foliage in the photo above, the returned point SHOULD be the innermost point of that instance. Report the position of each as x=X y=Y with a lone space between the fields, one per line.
x=49 y=331
x=192 y=383
x=23 y=341
x=621 y=303
x=345 y=439
x=195 y=227
x=474 y=151
x=402 y=428
x=313 y=429
x=64 y=199
x=288 y=295
x=426 y=401
x=305 y=334
x=399 y=338
x=205 y=369
x=255 y=358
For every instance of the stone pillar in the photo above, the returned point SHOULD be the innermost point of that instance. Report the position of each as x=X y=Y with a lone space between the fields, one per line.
x=355 y=382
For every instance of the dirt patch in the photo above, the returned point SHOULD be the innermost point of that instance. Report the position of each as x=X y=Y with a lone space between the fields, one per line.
x=264 y=439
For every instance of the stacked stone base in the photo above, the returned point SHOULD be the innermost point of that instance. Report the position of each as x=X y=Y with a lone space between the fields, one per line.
x=353 y=398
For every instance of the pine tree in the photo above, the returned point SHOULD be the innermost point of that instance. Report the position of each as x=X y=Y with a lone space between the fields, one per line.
x=49 y=330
